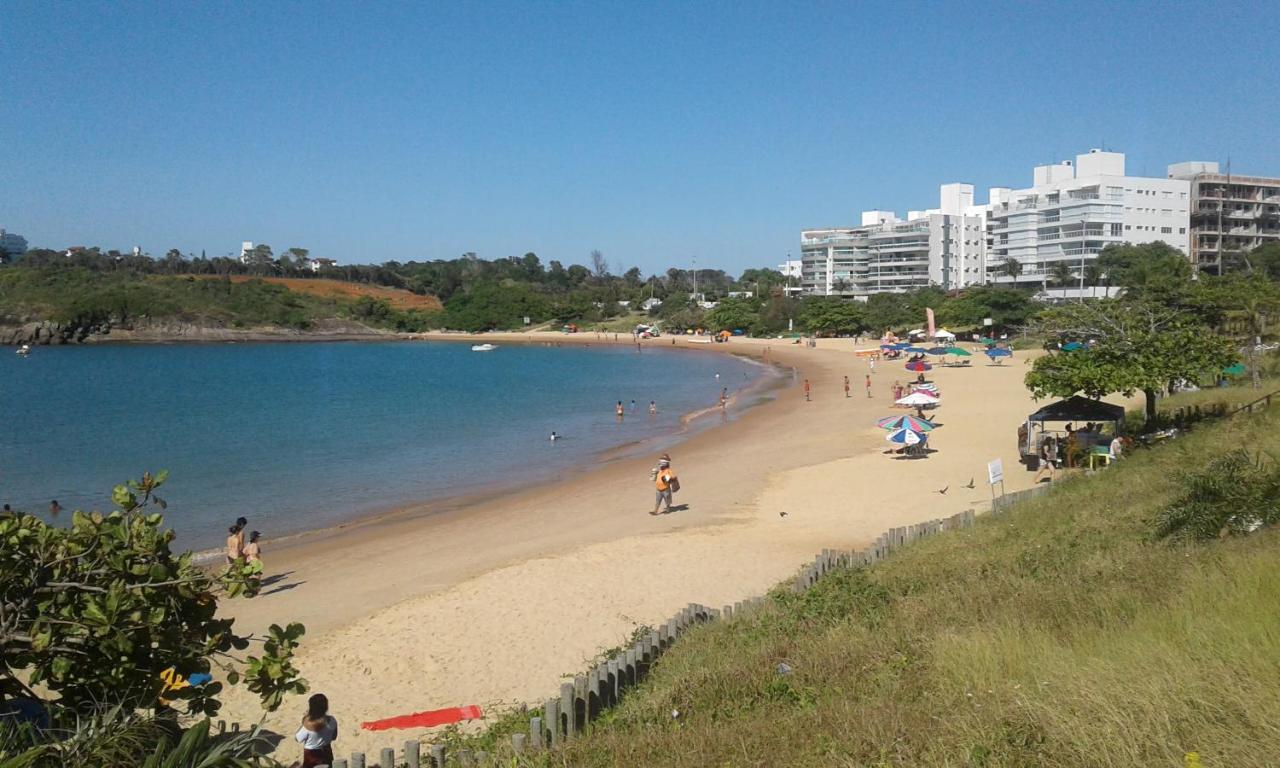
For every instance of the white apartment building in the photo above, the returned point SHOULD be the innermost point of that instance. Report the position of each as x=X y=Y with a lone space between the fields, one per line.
x=945 y=246
x=791 y=269
x=1072 y=211
x=11 y=245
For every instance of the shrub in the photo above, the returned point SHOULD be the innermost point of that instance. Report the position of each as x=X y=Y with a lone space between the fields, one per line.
x=1234 y=494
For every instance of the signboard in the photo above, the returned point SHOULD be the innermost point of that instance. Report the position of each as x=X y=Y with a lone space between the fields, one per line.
x=526 y=319
x=986 y=321
x=995 y=471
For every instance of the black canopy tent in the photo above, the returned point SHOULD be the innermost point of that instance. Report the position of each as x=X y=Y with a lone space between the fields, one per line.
x=1077 y=408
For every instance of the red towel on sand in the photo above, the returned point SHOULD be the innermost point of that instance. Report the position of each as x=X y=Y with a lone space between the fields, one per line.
x=426 y=719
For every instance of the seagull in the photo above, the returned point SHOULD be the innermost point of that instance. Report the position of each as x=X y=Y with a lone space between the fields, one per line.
x=944 y=490
x=782 y=514
x=970 y=485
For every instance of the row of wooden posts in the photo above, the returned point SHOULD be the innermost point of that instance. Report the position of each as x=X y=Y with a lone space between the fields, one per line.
x=566 y=716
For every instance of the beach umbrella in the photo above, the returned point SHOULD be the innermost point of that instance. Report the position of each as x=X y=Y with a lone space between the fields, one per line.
x=917 y=400
x=916 y=332
x=1072 y=346
x=958 y=352
x=1235 y=370
x=905 y=422
x=999 y=352
x=928 y=386
x=904 y=437
x=936 y=351
x=915 y=350
x=919 y=366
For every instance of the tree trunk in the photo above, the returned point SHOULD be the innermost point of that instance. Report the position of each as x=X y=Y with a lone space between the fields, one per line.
x=1151 y=404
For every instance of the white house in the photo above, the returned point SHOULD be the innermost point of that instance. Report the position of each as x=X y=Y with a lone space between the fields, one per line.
x=319 y=264
x=650 y=304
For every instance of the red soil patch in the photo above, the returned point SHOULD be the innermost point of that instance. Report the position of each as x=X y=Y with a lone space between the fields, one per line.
x=339 y=289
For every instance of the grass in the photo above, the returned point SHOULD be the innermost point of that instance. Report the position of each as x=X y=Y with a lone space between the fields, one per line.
x=1060 y=634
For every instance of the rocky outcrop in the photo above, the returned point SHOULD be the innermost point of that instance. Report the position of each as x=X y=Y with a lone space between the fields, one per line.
x=45 y=332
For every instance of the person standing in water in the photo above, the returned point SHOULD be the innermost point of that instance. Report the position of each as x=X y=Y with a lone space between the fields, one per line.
x=653 y=408
x=633 y=406
x=618 y=410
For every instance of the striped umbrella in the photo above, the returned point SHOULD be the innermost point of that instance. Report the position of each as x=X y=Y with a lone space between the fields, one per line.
x=904 y=436
x=919 y=366
x=958 y=352
x=905 y=422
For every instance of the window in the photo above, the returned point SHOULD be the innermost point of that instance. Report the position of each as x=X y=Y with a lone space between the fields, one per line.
x=1117 y=230
x=1126 y=226
x=1166 y=212
x=1166 y=230
x=1184 y=195
x=1182 y=230
x=1167 y=195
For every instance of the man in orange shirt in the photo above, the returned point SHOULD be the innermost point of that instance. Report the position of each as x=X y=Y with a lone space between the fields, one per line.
x=664 y=479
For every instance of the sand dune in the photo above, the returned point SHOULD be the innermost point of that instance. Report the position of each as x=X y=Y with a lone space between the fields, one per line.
x=494 y=601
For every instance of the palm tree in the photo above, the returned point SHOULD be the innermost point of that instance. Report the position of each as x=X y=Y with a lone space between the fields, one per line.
x=840 y=284
x=1061 y=274
x=1012 y=267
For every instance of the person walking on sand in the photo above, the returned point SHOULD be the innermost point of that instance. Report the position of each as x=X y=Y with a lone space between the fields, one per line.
x=868 y=385
x=235 y=546
x=846 y=386
x=1046 y=461
x=806 y=390
x=317 y=733
x=666 y=483
x=872 y=360
x=253 y=550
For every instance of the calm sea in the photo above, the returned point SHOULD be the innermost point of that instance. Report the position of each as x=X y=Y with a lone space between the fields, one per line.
x=300 y=436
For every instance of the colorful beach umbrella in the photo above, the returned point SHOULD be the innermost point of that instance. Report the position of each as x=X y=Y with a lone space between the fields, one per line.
x=999 y=352
x=936 y=351
x=905 y=422
x=915 y=350
x=928 y=386
x=917 y=400
x=904 y=437
x=958 y=352
x=919 y=366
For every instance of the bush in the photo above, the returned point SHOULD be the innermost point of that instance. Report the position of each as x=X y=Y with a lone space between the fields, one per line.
x=1235 y=494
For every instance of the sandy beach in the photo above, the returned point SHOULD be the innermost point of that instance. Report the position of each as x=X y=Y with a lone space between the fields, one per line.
x=495 y=600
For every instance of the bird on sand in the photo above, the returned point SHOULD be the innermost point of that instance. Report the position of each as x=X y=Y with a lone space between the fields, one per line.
x=944 y=490
x=970 y=485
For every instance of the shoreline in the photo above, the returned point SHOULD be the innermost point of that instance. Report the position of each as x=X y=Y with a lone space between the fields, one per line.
x=762 y=388
x=492 y=602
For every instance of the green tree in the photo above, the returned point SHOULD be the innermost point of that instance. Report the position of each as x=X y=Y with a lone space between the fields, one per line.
x=1155 y=271
x=95 y=612
x=828 y=315
x=890 y=311
x=1006 y=306
x=1061 y=275
x=1011 y=267
x=733 y=314
x=1132 y=347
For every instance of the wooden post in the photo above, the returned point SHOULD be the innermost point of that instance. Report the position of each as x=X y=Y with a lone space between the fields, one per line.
x=535 y=733
x=567 y=709
x=517 y=743
x=338 y=762
x=412 y=754
x=551 y=712
x=357 y=760
x=437 y=755
x=388 y=759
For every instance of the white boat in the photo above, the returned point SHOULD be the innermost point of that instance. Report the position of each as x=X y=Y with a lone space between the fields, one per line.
x=483 y=347
x=24 y=350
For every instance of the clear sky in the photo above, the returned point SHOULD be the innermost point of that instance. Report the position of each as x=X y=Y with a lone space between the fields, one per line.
x=654 y=132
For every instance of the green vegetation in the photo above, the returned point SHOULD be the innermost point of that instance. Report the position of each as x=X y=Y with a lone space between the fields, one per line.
x=1065 y=633
x=94 y=616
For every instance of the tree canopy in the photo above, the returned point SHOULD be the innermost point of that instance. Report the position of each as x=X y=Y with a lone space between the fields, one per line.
x=1130 y=347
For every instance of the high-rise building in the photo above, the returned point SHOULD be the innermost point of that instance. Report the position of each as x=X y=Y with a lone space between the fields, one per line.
x=11 y=245
x=1071 y=212
x=1231 y=214
x=944 y=246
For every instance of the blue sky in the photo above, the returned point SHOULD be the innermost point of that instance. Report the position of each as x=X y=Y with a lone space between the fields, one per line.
x=655 y=132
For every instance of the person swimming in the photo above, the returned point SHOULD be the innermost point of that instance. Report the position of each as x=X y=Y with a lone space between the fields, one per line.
x=554 y=437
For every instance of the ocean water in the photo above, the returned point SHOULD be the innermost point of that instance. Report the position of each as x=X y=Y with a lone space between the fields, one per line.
x=304 y=435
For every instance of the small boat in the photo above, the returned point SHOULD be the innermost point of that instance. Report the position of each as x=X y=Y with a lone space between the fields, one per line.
x=483 y=347
x=24 y=350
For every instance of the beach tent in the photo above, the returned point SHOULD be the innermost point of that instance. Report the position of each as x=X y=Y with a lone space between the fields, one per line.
x=943 y=333
x=1078 y=408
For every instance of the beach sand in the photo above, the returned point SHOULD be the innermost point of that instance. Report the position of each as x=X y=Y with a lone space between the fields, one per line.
x=495 y=601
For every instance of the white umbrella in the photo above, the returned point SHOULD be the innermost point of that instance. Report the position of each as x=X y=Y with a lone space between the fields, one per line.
x=916 y=332
x=918 y=399
x=903 y=436
x=944 y=334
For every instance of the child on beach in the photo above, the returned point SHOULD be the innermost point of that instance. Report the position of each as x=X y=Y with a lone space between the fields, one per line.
x=317 y=733
x=252 y=550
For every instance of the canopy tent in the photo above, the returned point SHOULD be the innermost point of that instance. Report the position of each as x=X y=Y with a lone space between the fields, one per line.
x=943 y=333
x=1077 y=408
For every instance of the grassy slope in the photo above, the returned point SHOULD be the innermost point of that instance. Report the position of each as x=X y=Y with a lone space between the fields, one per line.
x=1058 y=635
x=80 y=295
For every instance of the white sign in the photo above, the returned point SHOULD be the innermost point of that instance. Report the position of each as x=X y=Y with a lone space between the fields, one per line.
x=995 y=471
x=526 y=319
x=986 y=321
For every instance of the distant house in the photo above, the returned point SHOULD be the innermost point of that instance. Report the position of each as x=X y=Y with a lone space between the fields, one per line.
x=741 y=294
x=650 y=303
x=625 y=304
x=319 y=264
x=246 y=252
